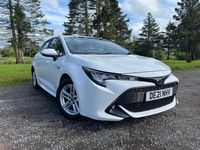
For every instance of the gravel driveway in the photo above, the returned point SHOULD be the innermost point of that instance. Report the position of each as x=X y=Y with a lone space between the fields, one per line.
x=30 y=120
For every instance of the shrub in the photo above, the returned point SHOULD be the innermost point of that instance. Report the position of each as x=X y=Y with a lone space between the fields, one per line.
x=159 y=54
x=180 y=55
x=8 y=52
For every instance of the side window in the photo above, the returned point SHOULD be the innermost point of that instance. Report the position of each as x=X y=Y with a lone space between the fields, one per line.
x=45 y=45
x=57 y=45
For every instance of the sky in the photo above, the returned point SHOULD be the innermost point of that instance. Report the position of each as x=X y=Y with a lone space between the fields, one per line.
x=55 y=11
x=162 y=10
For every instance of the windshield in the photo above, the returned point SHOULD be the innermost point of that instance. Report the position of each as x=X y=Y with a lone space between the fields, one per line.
x=86 y=45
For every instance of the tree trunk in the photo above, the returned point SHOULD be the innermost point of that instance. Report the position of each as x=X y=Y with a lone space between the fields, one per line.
x=19 y=56
x=87 y=32
x=12 y=26
x=98 y=9
x=20 y=34
x=168 y=52
x=189 y=59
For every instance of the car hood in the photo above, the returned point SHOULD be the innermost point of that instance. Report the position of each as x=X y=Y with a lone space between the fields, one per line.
x=124 y=64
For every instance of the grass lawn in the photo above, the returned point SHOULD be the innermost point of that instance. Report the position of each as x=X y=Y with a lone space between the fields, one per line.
x=177 y=65
x=13 y=74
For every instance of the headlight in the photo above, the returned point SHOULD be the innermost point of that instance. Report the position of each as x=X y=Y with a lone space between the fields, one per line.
x=100 y=77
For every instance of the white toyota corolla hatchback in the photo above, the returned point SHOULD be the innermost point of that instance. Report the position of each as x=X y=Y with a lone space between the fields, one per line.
x=101 y=80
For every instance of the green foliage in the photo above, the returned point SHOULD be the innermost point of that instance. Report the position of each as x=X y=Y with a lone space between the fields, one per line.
x=35 y=18
x=158 y=54
x=106 y=19
x=143 y=49
x=79 y=17
x=7 y=52
x=107 y=22
x=150 y=37
x=188 y=16
x=111 y=24
x=196 y=53
x=180 y=55
x=130 y=46
x=70 y=26
x=31 y=50
x=23 y=19
x=23 y=26
x=150 y=30
x=170 y=37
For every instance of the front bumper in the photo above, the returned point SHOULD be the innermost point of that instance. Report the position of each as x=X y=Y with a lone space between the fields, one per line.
x=121 y=99
x=133 y=102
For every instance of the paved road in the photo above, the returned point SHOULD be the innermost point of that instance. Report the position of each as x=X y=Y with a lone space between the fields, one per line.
x=30 y=120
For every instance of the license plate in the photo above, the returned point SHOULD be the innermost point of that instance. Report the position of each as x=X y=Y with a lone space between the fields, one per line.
x=158 y=94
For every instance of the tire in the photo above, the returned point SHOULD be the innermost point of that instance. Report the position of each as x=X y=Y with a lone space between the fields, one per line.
x=34 y=80
x=68 y=100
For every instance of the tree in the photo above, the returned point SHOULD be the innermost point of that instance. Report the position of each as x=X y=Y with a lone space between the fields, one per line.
x=188 y=16
x=12 y=27
x=24 y=19
x=97 y=20
x=169 y=41
x=31 y=50
x=100 y=18
x=71 y=26
x=150 y=36
x=122 y=33
x=111 y=24
x=22 y=28
x=106 y=21
x=79 y=17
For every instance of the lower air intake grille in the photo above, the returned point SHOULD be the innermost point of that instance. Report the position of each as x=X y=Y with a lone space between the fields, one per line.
x=134 y=99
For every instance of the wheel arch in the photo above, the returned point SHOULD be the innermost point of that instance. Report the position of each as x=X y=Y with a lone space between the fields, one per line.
x=64 y=76
x=32 y=68
x=34 y=79
x=63 y=79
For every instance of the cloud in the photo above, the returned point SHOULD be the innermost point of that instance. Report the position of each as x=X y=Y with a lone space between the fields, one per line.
x=55 y=12
x=137 y=10
x=140 y=7
x=51 y=4
x=173 y=2
x=136 y=28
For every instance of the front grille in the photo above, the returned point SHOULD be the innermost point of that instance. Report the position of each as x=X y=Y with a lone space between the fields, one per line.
x=134 y=99
x=144 y=106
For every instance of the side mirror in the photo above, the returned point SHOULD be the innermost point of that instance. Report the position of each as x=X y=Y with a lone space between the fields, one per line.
x=50 y=53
